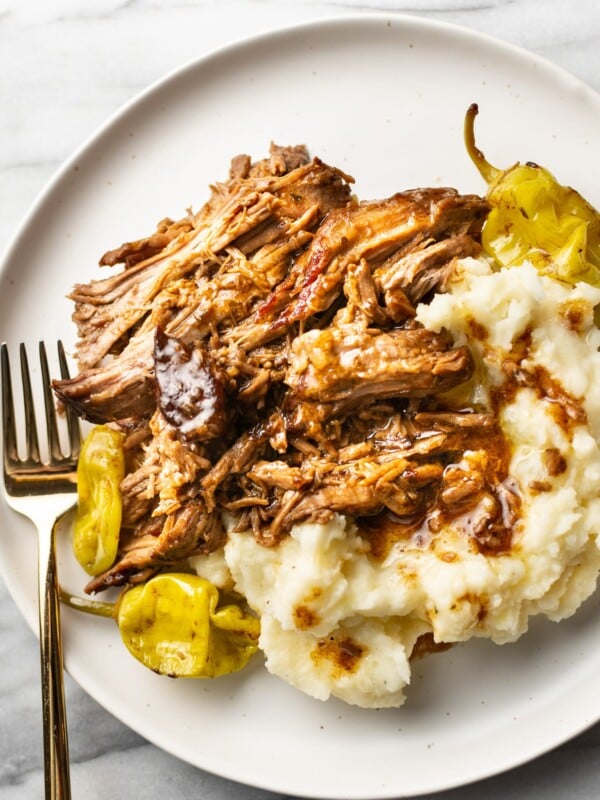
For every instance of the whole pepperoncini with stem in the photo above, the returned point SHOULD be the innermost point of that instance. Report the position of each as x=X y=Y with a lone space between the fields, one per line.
x=173 y=624
x=534 y=218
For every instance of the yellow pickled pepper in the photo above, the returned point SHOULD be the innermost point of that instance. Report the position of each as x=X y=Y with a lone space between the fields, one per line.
x=173 y=625
x=534 y=218
x=100 y=470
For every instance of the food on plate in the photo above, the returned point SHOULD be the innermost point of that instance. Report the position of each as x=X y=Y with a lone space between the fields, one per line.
x=533 y=218
x=380 y=437
x=180 y=625
x=100 y=470
x=175 y=625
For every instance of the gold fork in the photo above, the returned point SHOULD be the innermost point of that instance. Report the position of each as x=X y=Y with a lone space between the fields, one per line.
x=43 y=491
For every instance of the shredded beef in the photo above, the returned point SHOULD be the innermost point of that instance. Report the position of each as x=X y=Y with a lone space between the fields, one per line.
x=262 y=357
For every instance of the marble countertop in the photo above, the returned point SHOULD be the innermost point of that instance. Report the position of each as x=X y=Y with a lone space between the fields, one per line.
x=66 y=65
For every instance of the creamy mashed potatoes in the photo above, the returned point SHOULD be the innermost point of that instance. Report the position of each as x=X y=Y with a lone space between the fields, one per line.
x=337 y=621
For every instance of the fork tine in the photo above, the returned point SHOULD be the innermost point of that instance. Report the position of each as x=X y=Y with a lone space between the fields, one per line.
x=72 y=420
x=33 y=448
x=50 y=409
x=9 y=429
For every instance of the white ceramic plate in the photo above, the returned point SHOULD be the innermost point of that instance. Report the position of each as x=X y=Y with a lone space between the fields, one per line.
x=383 y=98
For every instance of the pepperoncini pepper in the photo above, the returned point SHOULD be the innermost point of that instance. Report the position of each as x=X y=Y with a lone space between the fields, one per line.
x=174 y=626
x=100 y=470
x=535 y=218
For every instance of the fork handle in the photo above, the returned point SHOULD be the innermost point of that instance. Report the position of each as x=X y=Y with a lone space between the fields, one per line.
x=56 y=747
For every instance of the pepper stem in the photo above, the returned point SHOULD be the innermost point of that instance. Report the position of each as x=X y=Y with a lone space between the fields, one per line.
x=97 y=607
x=487 y=171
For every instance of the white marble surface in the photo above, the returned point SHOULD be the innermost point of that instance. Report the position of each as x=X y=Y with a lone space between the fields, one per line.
x=65 y=65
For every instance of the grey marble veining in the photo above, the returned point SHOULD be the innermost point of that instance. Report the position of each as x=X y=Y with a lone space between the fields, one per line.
x=65 y=66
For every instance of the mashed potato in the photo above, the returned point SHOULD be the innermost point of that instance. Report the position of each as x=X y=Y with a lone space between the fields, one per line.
x=337 y=621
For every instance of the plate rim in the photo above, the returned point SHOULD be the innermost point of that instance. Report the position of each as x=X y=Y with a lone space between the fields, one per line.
x=174 y=75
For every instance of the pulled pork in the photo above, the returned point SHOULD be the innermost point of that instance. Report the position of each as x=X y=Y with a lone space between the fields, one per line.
x=263 y=359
